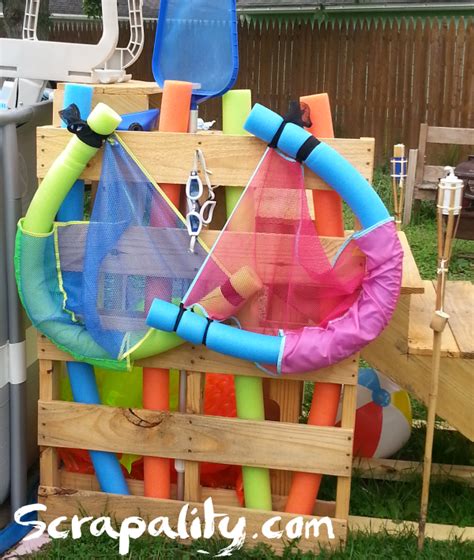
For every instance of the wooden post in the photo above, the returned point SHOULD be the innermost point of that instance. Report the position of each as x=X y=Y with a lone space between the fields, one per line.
x=410 y=186
x=343 y=491
x=49 y=391
x=194 y=405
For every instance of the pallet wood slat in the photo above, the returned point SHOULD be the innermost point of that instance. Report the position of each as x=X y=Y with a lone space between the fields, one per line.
x=446 y=135
x=420 y=336
x=194 y=405
x=141 y=244
x=196 y=437
x=343 y=490
x=288 y=395
x=390 y=353
x=232 y=162
x=137 y=246
x=435 y=531
x=411 y=279
x=398 y=469
x=220 y=496
x=126 y=97
x=460 y=306
x=49 y=390
x=189 y=357
x=67 y=502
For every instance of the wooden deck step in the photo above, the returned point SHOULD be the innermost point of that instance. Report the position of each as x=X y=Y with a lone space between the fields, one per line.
x=458 y=337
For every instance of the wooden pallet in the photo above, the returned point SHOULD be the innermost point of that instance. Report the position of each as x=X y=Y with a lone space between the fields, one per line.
x=283 y=446
x=403 y=352
x=193 y=438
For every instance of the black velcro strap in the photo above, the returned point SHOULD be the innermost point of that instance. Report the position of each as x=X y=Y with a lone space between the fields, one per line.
x=206 y=330
x=182 y=309
x=298 y=114
x=276 y=138
x=72 y=117
x=306 y=148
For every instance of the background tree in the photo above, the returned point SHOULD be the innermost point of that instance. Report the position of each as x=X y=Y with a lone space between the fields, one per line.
x=13 y=13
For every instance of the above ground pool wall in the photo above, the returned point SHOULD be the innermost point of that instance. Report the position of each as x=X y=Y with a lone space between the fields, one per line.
x=4 y=443
x=26 y=135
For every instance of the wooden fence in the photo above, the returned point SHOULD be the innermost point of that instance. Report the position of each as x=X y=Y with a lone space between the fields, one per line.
x=384 y=78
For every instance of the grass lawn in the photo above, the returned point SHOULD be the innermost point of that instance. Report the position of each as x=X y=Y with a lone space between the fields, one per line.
x=362 y=546
x=450 y=502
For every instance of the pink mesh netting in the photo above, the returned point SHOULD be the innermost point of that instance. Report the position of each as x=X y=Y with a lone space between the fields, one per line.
x=269 y=265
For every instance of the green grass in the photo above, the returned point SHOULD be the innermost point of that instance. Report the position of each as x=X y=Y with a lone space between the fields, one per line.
x=421 y=234
x=360 y=546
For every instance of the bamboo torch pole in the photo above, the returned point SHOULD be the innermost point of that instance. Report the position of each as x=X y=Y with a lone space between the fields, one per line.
x=399 y=173
x=448 y=212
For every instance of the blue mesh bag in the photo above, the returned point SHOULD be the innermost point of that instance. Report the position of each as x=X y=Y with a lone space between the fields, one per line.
x=128 y=263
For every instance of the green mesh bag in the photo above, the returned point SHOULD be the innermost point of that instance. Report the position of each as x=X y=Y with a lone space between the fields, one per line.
x=40 y=286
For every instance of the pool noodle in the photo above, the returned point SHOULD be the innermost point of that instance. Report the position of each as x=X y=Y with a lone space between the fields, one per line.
x=73 y=206
x=174 y=117
x=81 y=375
x=236 y=106
x=329 y=222
x=327 y=204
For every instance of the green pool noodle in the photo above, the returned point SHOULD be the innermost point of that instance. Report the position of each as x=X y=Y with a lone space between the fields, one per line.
x=236 y=106
x=59 y=179
x=250 y=406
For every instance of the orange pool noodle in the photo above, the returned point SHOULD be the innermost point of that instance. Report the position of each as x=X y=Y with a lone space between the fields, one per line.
x=244 y=283
x=175 y=106
x=329 y=221
x=174 y=117
x=327 y=204
x=305 y=486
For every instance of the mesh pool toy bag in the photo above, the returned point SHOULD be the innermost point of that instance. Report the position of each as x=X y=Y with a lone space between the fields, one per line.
x=127 y=262
x=271 y=249
x=102 y=275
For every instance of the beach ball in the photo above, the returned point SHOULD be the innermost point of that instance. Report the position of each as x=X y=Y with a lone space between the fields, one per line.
x=383 y=417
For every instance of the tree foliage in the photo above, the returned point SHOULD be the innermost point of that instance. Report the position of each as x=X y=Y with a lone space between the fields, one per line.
x=92 y=8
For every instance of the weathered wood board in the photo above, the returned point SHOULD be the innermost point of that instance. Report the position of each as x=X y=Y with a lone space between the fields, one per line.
x=196 y=437
x=67 y=502
x=410 y=365
x=232 y=161
x=126 y=97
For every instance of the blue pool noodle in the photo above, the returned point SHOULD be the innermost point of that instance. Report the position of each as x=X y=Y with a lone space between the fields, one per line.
x=72 y=208
x=81 y=376
x=324 y=161
x=222 y=338
x=106 y=465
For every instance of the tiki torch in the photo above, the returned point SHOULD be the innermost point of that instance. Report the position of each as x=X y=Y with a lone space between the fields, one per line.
x=450 y=192
x=399 y=173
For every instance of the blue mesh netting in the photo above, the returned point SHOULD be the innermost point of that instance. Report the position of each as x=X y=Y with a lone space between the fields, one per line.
x=110 y=268
x=128 y=262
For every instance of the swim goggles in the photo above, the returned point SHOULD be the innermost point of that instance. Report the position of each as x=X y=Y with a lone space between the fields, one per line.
x=198 y=214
